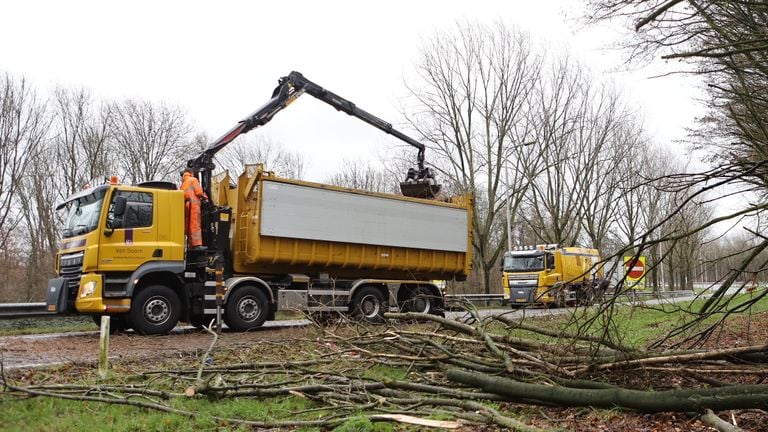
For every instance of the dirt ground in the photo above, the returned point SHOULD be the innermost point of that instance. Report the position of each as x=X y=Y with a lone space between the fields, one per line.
x=19 y=353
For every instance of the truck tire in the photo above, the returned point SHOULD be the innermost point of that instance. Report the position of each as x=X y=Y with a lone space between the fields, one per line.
x=585 y=296
x=368 y=304
x=421 y=300
x=561 y=295
x=155 y=310
x=246 y=309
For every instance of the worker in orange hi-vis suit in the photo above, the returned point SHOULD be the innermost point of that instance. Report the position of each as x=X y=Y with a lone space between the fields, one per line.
x=193 y=194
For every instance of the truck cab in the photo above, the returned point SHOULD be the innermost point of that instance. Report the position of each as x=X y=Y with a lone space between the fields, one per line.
x=549 y=274
x=113 y=235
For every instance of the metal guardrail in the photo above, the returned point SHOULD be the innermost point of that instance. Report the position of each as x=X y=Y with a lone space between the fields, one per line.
x=23 y=310
x=475 y=297
x=662 y=294
x=31 y=310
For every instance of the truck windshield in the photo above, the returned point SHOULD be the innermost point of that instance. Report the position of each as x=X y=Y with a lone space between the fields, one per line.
x=83 y=213
x=518 y=263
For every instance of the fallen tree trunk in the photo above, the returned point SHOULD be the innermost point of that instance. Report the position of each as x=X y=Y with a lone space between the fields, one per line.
x=693 y=400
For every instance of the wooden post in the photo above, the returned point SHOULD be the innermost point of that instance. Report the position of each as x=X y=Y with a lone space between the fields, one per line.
x=104 y=347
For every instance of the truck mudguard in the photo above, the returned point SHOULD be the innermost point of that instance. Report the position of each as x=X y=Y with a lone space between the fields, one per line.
x=175 y=267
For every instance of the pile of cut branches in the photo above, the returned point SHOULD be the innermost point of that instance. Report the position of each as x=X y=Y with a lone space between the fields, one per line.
x=445 y=373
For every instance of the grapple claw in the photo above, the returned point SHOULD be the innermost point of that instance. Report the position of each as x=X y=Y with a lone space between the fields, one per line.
x=420 y=184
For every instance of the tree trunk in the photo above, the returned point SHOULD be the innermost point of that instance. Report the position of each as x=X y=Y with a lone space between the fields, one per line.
x=696 y=400
x=486 y=279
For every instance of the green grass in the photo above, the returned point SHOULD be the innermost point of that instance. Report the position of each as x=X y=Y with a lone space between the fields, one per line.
x=62 y=415
x=24 y=326
x=43 y=413
x=641 y=325
x=362 y=424
x=49 y=414
x=52 y=414
x=635 y=325
x=80 y=323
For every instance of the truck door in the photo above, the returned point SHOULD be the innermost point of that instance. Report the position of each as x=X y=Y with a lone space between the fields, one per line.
x=131 y=239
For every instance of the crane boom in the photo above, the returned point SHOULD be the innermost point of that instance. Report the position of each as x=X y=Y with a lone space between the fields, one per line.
x=419 y=182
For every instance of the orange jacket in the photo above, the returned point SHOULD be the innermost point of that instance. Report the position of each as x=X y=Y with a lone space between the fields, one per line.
x=192 y=190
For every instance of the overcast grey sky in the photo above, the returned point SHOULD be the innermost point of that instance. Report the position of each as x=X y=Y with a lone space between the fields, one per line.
x=220 y=60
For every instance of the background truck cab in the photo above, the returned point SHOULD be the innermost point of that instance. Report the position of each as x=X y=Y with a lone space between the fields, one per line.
x=549 y=274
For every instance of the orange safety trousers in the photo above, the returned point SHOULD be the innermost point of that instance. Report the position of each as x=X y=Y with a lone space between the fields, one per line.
x=192 y=194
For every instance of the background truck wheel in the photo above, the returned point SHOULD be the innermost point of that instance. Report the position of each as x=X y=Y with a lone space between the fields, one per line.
x=421 y=300
x=369 y=304
x=561 y=295
x=155 y=310
x=116 y=323
x=246 y=309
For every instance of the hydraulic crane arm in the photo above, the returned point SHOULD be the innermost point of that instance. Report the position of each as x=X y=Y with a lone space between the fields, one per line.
x=419 y=183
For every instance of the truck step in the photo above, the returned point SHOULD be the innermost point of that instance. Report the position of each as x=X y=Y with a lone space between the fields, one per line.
x=329 y=292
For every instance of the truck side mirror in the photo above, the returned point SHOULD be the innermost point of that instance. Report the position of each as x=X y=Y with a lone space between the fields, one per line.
x=119 y=206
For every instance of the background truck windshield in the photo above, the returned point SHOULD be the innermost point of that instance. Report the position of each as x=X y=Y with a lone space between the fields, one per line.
x=518 y=263
x=83 y=214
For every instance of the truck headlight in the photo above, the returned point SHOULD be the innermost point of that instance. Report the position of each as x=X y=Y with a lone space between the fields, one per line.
x=88 y=289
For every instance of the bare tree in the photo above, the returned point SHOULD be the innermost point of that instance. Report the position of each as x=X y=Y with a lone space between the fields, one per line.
x=578 y=129
x=41 y=192
x=607 y=139
x=471 y=97
x=357 y=175
x=253 y=149
x=80 y=145
x=23 y=124
x=724 y=44
x=152 y=141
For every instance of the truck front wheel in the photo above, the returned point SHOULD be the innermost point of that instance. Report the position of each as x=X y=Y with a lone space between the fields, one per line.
x=369 y=304
x=155 y=310
x=246 y=309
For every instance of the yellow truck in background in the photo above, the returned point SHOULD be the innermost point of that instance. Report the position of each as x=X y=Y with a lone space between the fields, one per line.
x=552 y=275
x=269 y=243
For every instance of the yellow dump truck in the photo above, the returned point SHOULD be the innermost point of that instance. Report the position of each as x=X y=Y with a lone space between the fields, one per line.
x=269 y=243
x=287 y=245
x=552 y=275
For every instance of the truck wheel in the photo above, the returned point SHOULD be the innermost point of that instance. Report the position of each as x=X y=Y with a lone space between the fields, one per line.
x=561 y=294
x=421 y=300
x=585 y=296
x=246 y=309
x=368 y=304
x=155 y=310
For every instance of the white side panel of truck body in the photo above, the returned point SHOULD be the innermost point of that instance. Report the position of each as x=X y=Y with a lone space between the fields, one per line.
x=294 y=211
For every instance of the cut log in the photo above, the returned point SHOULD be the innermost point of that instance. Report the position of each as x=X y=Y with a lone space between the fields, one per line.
x=694 y=400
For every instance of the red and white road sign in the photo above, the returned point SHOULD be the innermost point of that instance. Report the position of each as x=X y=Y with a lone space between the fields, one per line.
x=635 y=269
